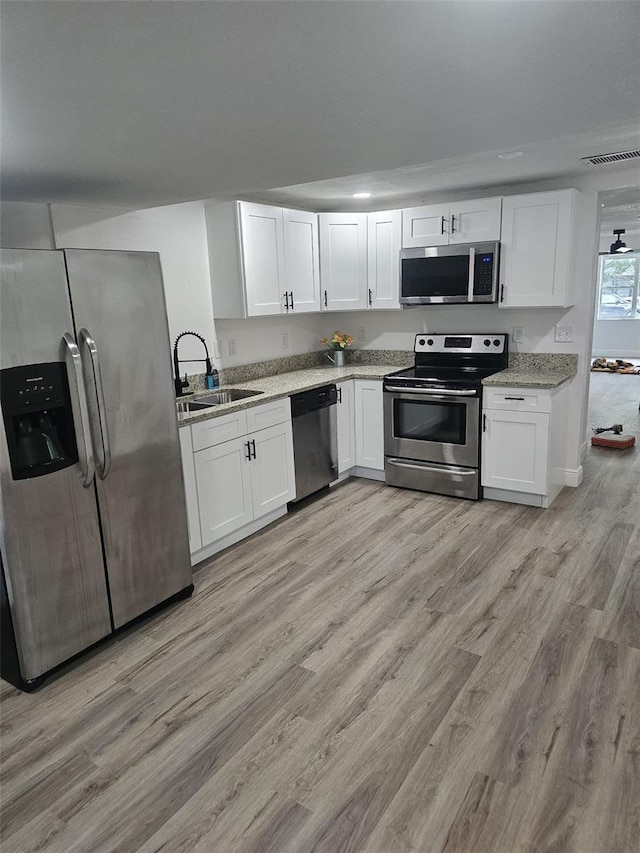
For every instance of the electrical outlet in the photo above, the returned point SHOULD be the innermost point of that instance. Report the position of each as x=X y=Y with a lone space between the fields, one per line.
x=362 y=334
x=232 y=346
x=563 y=334
x=285 y=341
x=517 y=334
x=216 y=349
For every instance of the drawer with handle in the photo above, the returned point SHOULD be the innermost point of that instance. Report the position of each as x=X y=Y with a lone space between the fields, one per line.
x=518 y=399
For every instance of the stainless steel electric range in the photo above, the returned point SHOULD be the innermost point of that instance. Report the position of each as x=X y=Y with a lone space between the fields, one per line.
x=432 y=413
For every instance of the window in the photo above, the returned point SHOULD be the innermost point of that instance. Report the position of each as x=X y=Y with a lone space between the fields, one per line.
x=618 y=297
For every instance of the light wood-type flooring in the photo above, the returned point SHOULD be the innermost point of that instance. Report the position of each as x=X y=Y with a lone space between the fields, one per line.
x=382 y=671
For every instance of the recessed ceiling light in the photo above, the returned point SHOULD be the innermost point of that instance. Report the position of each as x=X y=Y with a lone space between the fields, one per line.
x=510 y=155
x=362 y=195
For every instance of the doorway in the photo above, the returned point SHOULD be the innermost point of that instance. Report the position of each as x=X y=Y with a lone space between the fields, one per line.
x=614 y=387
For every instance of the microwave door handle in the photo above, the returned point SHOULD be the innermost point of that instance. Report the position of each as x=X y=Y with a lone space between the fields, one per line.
x=472 y=267
x=86 y=338
x=87 y=464
x=441 y=392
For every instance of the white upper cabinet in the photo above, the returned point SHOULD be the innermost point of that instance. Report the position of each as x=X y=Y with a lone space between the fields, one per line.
x=425 y=226
x=474 y=221
x=383 y=241
x=343 y=261
x=360 y=260
x=262 y=234
x=302 y=290
x=263 y=260
x=537 y=235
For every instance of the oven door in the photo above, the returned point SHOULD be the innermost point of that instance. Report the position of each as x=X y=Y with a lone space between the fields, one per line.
x=440 y=426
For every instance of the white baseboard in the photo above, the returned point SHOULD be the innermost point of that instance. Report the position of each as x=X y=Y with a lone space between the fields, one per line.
x=573 y=476
x=506 y=495
x=237 y=536
x=368 y=473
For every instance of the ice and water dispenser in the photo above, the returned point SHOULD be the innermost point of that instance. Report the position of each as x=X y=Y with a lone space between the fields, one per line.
x=38 y=420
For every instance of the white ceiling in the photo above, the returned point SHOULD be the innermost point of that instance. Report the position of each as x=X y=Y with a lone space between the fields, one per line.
x=140 y=104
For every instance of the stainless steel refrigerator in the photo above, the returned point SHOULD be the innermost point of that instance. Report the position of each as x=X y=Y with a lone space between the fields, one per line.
x=93 y=527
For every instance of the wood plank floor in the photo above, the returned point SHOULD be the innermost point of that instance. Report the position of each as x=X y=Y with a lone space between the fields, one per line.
x=381 y=671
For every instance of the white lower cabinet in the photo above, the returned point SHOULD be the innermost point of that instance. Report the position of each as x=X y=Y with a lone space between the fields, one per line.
x=190 y=489
x=369 y=422
x=523 y=444
x=515 y=451
x=346 y=426
x=273 y=479
x=241 y=471
x=224 y=489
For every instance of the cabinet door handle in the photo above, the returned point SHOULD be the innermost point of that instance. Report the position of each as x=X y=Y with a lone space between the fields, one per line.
x=484 y=423
x=453 y=224
x=286 y=300
x=248 y=446
x=253 y=444
x=442 y=226
x=502 y=293
x=339 y=395
x=325 y=299
x=292 y=300
x=370 y=297
x=515 y=398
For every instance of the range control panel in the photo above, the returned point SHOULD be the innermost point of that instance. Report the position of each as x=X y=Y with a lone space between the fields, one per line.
x=474 y=344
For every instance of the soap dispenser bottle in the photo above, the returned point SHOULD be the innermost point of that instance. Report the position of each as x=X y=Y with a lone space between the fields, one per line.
x=212 y=379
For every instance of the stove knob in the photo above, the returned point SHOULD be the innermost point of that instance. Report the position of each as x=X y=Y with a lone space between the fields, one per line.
x=421 y=342
x=496 y=343
x=487 y=342
x=430 y=342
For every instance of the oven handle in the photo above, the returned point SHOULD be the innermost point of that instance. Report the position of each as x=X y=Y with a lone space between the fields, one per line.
x=416 y=466
x=453 y=392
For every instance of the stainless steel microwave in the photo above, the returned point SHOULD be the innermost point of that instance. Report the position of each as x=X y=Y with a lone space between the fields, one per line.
x=466 y=272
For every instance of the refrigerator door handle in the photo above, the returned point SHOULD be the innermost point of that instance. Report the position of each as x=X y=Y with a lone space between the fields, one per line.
x=87 y=464
x=102 y=470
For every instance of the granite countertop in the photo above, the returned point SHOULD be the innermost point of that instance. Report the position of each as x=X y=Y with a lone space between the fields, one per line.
x=523 y=379
x=536 y=370
x=283 y=385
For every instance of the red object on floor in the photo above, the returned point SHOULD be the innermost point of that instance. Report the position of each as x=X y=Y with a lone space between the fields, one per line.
x=620 y=442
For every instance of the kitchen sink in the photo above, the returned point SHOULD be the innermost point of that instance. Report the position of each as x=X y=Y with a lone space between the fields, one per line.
x=227 y=396
x=185 y=406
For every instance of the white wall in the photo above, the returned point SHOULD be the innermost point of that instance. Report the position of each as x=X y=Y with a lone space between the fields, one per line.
x=616 y=338
x=25 y=225
x=261 y=338
x=176 y=232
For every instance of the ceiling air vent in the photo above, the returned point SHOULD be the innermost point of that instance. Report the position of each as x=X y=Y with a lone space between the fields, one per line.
x=618 y=157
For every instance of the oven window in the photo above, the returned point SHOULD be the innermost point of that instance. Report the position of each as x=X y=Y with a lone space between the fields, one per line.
x=440 y=276
x=421 y=421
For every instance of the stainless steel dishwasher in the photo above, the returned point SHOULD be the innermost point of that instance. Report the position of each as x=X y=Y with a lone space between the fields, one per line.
x=315 y=439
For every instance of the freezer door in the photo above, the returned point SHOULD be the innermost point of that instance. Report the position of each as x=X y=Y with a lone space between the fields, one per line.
x=49 y=532
x=120 y=315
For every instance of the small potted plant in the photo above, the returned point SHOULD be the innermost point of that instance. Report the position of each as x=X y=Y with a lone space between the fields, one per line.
x=338 y=342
